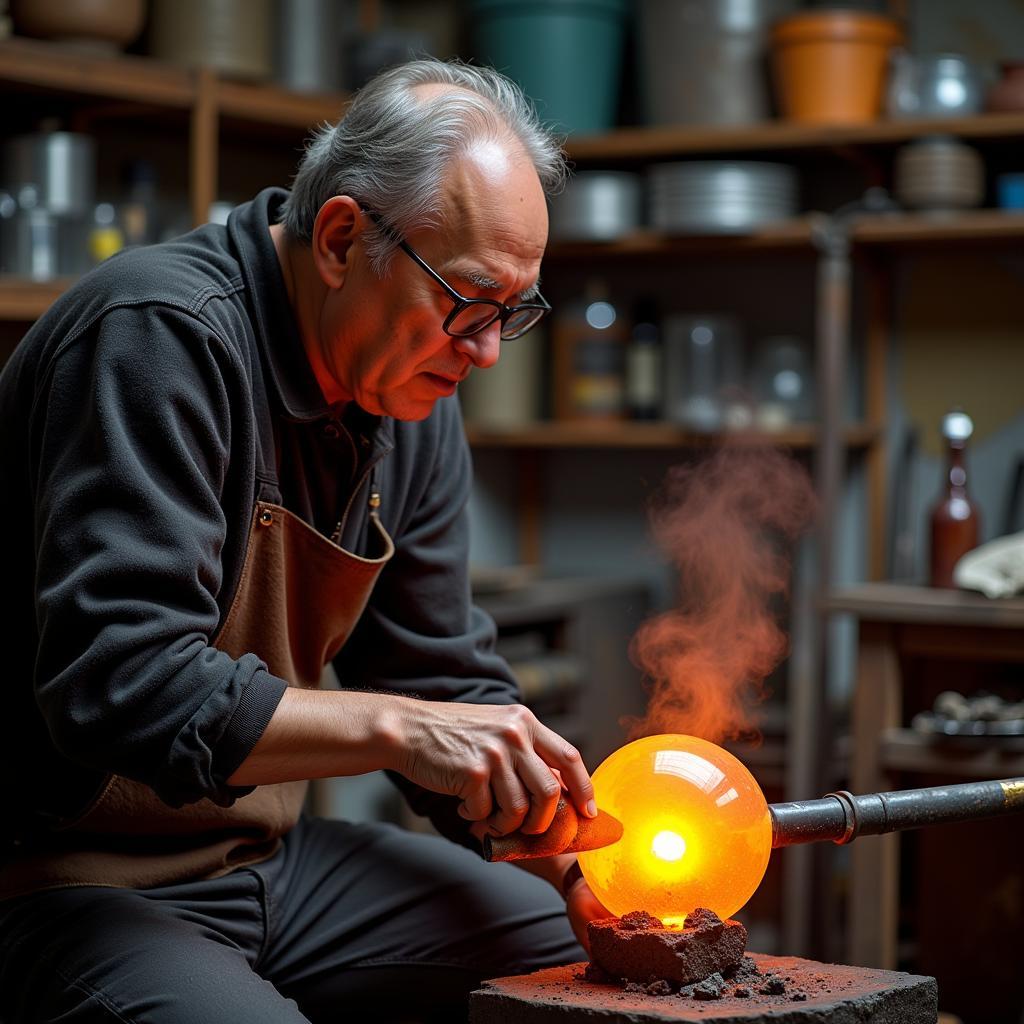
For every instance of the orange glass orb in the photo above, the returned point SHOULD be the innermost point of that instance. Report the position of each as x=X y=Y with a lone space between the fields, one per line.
x=696 y=830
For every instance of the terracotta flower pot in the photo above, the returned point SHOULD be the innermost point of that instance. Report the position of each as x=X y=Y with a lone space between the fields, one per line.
x=830 y=66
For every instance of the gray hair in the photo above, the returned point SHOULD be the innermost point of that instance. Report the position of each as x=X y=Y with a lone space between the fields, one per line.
x=391 y=148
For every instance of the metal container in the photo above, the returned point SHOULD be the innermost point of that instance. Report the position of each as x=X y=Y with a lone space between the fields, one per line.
x=702 y=360
x=232 y=36
x=720 y=196
x=40 y=245
x=703 y=61
x=309 y=45
x=597 y=206
x=59 y=166
x=934 y=85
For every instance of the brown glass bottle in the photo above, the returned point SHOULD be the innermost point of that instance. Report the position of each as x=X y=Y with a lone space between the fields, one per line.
x=954 y=517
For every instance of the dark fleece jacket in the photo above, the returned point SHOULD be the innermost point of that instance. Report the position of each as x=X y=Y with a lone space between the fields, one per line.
x=140 y=419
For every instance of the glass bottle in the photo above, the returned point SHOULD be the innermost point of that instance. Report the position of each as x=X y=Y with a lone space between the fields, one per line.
x=589 y=337
x=643 y=364
x=954 y=517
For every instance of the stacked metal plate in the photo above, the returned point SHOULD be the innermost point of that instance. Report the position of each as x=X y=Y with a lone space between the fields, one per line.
x=712 y=196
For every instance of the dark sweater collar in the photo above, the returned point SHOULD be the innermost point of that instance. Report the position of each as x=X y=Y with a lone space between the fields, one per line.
x=293 y=379
x=294 y=382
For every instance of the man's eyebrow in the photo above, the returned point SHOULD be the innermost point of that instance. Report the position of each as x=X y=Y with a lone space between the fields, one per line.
x=481 y=280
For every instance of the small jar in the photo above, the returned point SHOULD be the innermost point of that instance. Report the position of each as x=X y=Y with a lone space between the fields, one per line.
x=598 y=385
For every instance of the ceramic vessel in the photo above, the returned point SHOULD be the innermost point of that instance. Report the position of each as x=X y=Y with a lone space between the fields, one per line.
x=232 y=36
x=94 y=24
x=830 y=66
x=933 y=85
x=939 y=174
x=1007 y=95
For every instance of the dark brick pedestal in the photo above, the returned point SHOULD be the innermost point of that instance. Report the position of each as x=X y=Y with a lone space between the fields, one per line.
x=814 y=994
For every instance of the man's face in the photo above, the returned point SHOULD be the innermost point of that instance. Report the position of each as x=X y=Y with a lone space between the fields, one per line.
x=382 y=338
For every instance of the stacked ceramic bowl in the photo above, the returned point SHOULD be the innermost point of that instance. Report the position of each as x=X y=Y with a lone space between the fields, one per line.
x=711 y=196
x=939 y=173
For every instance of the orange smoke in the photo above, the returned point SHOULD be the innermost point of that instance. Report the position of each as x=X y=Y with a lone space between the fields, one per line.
x=729 y=524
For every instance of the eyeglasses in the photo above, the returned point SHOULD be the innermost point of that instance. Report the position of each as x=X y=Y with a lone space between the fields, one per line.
x=470 y=316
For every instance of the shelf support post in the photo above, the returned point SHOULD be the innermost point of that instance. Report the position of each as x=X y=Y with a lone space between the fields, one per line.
x=203 y=146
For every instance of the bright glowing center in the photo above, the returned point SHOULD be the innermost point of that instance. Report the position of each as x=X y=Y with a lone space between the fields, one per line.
x=668 y=845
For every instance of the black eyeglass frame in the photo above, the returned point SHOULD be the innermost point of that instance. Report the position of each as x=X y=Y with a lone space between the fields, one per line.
x=501 y=311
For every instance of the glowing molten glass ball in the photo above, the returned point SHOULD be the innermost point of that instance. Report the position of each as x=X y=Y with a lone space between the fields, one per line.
x=696 y=830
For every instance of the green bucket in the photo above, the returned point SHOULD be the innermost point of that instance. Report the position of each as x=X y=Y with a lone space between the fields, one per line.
x=566 y=55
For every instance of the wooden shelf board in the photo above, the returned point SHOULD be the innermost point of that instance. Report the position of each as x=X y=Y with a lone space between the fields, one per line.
x=638 y=435
x=270 y=105
x=56 y=68
x=987 y=225
x=909 y=751
x=917 y=228
x=905 y=603
x=24 y=300
x=140 y=81
x=633 y=144
x=791 y=234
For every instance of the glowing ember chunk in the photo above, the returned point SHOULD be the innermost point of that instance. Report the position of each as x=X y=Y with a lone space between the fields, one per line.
x=697 y=832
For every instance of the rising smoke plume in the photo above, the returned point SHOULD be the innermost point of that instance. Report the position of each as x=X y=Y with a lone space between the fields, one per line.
x=728 y=524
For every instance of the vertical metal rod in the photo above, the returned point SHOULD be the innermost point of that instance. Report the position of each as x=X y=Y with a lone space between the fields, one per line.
x=810 y=736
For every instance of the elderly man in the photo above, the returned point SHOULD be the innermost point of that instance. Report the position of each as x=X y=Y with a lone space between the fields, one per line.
x=228 y=461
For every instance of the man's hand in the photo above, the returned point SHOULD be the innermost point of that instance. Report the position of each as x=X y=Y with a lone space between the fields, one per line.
x=502 y=763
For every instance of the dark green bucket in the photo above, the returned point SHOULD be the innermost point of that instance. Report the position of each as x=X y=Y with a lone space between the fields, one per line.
x=566 y=54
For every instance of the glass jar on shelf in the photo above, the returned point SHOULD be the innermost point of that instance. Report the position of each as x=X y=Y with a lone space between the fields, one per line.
x=954 y=521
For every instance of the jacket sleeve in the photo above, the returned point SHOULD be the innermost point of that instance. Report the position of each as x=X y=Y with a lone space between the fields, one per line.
x=132 y=436
x=421 y=633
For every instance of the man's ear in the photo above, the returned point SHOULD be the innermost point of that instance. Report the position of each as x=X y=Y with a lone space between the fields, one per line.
x=337 y=225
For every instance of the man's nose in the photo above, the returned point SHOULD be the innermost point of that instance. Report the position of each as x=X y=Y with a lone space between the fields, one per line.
x=483 y=348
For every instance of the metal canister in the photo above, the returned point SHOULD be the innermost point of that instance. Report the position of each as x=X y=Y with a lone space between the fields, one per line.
x=597 y=206
x=703 y=61
x=60 y=166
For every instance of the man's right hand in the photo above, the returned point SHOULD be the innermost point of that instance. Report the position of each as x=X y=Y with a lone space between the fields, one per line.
x=507 y=768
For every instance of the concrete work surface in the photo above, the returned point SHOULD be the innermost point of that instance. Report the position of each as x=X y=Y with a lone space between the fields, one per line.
x=784 y=990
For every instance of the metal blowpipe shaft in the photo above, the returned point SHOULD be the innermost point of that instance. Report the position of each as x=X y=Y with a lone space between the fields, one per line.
x=842 y=817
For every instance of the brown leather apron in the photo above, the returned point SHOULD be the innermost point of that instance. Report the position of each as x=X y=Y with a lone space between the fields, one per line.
x=298 y=600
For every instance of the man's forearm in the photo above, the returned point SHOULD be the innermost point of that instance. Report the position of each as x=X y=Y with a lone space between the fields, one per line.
x=316 y=734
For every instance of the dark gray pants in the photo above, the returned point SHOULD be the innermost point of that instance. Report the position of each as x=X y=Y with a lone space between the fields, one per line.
x=346 y=923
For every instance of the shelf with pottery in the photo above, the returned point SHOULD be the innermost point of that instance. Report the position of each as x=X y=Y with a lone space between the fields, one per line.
x=144 y=81
x=629 y=145
x=126 y=85
x=980 y=225
x=639 y=435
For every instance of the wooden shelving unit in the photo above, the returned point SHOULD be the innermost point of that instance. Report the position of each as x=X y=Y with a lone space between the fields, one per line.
x=644 y=144
x=126 y=86
x=984 y=226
